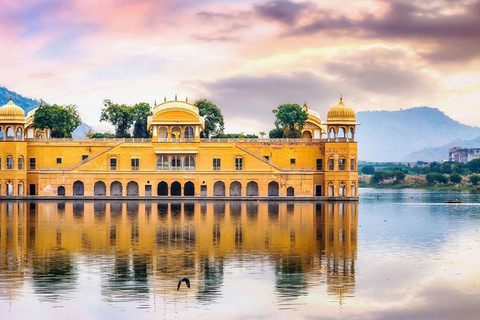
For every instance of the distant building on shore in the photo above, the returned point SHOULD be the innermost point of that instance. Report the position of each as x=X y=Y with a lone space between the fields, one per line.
x=463 y=154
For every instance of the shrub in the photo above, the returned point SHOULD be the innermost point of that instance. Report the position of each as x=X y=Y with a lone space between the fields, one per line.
x=436 y=178
x=474 y=179
x=380 y=176
x=368 y=170
x=455 y=178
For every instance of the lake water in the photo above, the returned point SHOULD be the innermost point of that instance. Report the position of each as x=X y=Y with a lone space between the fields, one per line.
x=396 y=254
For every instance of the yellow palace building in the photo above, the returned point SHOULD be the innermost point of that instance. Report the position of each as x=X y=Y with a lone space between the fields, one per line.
x=177 y=162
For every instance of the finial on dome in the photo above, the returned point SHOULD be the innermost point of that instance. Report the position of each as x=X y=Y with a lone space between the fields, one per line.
x=186 y=99
x=155 y=103
x=175 y=97
x=10 y=97
x=41 y=102
x=165 y=99
x=305 y=107
x=341 y=98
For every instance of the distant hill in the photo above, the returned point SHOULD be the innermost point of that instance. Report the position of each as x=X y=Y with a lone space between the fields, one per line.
x=28 y=104
x=397 y=135
x=441 y=153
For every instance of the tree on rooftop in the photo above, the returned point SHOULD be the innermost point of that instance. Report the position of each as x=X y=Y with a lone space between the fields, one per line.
x=61 y=120
x=214 y=124
x=291 y=117
x=141 y=112
x=120 y=116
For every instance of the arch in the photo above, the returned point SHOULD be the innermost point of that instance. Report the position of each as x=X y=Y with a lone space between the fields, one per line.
x=10 y=132
x=132 y=188
x=235 y=189
x=176 y=134
x=273 y=189
x=342 y=133
x=162 y=162
x=19 y=133
x=353 y=190
x=176 y=189
x=9 y=164
x=219 y=189
x=290 y=192
x=30 y=133
x=252 y=189
x=162 y=189
x=78 y=188
x=189 y=163
x=2 y=133
x=307 y=134
x=162 y=134
x=331 y=133
x=20 y=163
x=116 y=188
x=9 y=188
x=189 y=189
x=20 y=188
x=99 y=188
x=342 y=163
x=61 y=191
x=176 y=163
x=342 y=190
x=188 y=135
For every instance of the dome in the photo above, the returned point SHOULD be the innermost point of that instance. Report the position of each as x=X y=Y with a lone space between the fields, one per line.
x=341 y=113
x=11 y=111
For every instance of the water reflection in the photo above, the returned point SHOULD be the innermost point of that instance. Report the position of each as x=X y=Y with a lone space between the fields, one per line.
x=139 y=250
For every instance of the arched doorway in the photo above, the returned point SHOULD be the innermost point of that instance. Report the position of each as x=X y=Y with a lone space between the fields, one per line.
x=219 y=189
x=9 y=189
x=273 y=189
x=189 y=189
x=20 y=188
x=290 y=192
x=162 y=189
x=307 y=134
x=116 y=189
x=61 y=191
x=78 y=188
x=252 y=189
x=235 y=189
x=176 y=189
x=132 y=188
x=99 y=188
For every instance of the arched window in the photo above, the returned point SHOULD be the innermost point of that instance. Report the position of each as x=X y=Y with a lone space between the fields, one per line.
x=19 y=134
x=290 y=192
x=162 y=134
x=10 y=132
x=176 y=163
x=2 y=133
x=342 y=133
x=20 y=163
x=342 y=163
x=9 y=162
x=331 y=164
x=162 y=162
x=353 y=191
x=176 y=134
x=189 y=134
x=189 y=163
x=331 y=134
x=353 y=164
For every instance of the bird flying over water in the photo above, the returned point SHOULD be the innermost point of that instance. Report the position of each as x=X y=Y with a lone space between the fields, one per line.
x=184 y=279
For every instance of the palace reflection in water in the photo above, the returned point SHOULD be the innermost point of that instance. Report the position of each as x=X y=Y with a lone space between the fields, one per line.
x=140 y=249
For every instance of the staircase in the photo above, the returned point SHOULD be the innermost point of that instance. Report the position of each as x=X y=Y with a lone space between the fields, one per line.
x=258 y=156
x=95 y=155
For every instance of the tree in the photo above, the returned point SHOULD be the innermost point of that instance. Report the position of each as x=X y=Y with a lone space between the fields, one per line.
x=455 y=178
x=276 y=133
x=290 y=117
x=399 y=175
x=368 y=170
x=474 y=165
x=474 y=179
x=262 y=133
x=214 y=124
x=436 y=177
x=121 y=116
x=61 y=120
x=141 y=112
x=381 y=176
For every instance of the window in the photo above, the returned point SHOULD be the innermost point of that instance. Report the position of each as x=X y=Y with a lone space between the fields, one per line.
x=238 y=163
x=9 y=162
x=319 y=164
x=162 y=163
x=330 y=164
x=59 y=160
x=216 y=163
x=266 y=158
x=20 y=163
x=84 y=156
x=113 y=163
x=0 y=165
x=33 y=163
x=342 y=164
x=293 y=161
x=176 y=163
x=352 y=164
x=135 y=164
x=189 y=163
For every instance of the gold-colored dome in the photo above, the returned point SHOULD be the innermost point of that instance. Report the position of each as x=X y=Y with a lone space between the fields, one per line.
x=341 y=113
x=12 y=111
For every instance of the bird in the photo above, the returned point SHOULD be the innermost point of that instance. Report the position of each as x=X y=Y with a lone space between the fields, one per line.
x=186 y=280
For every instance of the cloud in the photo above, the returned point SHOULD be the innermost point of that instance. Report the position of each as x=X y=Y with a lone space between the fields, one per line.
x=283 y=11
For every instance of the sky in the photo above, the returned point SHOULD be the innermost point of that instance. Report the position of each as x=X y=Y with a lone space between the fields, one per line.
x=246 y=56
